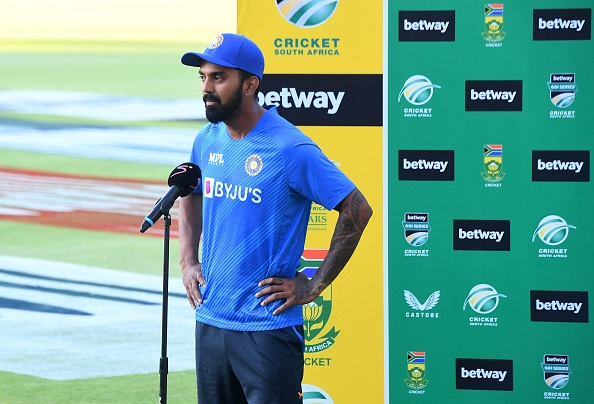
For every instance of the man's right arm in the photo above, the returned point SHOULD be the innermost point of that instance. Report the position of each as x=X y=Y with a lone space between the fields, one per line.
x=190 y=230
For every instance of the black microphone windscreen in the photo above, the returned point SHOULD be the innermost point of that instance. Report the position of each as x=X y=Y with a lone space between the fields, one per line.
x=186 y=177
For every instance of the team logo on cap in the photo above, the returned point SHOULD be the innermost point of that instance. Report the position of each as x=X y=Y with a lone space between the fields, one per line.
x=307 y=13
x=216 y=42
x=253 y=165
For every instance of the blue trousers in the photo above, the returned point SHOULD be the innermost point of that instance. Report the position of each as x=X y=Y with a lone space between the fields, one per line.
x=234 y=367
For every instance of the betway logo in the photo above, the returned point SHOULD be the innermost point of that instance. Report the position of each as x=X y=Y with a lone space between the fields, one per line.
x=217 y=189
x=559 y=23
x=556 y=305
x=499 y=375
x=291 y=98
x=492 y=95
x=424 y=165
x=559 y=306
x=480 y=235
x=556 y=165
x=424 y=25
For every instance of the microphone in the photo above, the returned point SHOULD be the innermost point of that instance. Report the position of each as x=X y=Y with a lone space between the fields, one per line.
x=183 y=180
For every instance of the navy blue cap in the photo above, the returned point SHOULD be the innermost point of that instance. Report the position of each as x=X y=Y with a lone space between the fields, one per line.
x=230 y=50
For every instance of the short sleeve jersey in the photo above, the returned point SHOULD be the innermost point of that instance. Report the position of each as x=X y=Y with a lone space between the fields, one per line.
x=257 y=195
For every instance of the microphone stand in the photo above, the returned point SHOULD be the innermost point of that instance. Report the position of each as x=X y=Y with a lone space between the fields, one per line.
x=163 y=362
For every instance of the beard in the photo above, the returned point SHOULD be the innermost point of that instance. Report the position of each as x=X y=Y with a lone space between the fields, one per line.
x=221 y=112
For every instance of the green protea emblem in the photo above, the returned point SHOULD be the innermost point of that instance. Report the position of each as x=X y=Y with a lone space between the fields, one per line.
x=316 y=314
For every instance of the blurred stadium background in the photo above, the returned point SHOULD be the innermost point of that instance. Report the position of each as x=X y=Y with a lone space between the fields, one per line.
x=95 y=111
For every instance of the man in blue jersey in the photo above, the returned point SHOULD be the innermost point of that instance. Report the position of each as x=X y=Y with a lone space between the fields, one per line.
x=260 y=175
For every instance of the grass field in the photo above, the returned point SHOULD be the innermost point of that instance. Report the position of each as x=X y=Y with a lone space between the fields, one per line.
x=138 y=68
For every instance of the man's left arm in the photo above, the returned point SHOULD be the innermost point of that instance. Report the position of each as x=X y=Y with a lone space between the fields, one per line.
x=354 y=213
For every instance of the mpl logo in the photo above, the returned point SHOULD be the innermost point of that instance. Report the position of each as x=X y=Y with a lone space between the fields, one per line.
x=426 y=165
x=307 y=13
x=482 y=235
x=484 y=374
x=493 y=95
x=559 y=306
x=426 y=26
x=561 y=165
x=556 y=370
x=562 y=24
x=325 y=99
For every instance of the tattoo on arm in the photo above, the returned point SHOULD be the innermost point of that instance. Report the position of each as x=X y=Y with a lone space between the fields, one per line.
x=354 y=214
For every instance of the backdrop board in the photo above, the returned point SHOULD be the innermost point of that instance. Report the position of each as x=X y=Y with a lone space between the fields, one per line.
x=489 y=132
x=324 y=73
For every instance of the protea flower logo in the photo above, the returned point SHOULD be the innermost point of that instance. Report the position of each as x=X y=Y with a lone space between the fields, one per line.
x=315 y=395
x=307 y=13
x=483 y=299
x=552 y=230
x=417 y=90
x=316 y=314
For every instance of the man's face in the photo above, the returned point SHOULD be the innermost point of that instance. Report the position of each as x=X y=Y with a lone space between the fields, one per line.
x=223 y=91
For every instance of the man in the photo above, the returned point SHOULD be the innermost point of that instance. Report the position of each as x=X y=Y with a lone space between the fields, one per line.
x=260 y=175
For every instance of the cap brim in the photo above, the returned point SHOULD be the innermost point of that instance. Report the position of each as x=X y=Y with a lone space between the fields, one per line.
x=195 y=59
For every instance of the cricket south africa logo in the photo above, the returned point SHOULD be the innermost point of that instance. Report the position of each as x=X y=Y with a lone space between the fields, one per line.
x=556 y=371
x=316 y=314
x=417 y=90
x=493 y=32
x=562 y=89
x=307 y=13
x=315 y=395
x=483 y=299
x=553 y=231
x=416 y=232
x=416 y=372
x=493 y=165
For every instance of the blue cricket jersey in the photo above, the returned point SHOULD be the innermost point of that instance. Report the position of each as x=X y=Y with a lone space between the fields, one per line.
x=257 y=195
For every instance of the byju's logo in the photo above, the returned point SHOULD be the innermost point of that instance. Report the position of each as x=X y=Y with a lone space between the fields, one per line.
x=483 y=235
x=430 y=303
x=559 y=306
x=493 y=95
x=493 y=32
x=426 y=165
x=556 y=370
x=561 y=165
x=426 y=26
x=562 y=24
x=307 y=13
x=484 y=374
